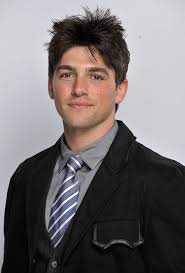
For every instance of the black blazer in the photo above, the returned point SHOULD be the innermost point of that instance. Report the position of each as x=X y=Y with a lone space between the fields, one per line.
x=132 y=218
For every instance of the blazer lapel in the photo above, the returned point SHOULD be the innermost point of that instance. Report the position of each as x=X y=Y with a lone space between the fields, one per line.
x=37 y=188
x=105 y=182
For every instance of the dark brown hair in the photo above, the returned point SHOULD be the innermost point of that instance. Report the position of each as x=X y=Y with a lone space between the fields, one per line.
x=97 y=30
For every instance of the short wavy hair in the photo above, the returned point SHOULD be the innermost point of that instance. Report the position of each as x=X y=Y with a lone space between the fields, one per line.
x=97 y=30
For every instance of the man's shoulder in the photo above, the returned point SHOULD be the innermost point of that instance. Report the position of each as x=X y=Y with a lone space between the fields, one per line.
x=152 y=157
x=143 y=160
x=42 y=156
x=153 y=166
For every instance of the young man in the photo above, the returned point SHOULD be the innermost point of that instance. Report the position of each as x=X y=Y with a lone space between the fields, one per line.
x=96 y=201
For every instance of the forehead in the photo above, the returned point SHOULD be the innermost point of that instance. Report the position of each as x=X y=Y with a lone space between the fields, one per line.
x=82 y=55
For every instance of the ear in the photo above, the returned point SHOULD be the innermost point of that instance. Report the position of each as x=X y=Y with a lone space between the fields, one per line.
x=50 y=88
x=121 y=91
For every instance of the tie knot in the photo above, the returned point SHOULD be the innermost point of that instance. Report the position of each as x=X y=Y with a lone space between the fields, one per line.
x=75 y=163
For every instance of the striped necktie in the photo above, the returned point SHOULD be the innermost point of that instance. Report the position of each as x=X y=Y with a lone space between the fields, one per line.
x=64 y=205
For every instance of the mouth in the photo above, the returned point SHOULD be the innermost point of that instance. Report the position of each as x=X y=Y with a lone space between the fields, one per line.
x=79 y=104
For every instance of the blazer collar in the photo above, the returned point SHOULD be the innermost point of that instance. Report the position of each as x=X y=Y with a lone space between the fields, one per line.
x=117 y=155
x=39 y=174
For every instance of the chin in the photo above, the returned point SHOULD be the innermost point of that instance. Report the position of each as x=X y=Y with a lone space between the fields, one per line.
x=83 y=121
x=78 y=121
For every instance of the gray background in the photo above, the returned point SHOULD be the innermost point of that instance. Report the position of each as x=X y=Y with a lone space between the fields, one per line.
x=154 y=108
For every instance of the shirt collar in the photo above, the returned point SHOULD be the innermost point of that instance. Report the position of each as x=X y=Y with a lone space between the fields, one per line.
x=93 y=153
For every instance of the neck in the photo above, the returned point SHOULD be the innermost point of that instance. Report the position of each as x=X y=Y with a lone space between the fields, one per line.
x=78 y=139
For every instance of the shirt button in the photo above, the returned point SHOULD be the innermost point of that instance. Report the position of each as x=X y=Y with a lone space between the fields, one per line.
x=54 y=264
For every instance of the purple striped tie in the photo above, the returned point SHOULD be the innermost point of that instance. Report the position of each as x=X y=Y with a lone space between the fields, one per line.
x=64 y=205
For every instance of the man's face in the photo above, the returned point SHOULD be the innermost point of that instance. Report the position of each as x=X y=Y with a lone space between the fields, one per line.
x=84 y=89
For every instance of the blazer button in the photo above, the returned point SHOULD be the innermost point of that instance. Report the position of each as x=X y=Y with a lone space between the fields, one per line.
x=54 y=264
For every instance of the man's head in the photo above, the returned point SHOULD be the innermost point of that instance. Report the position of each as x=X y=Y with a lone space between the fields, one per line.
x=88 y=61
x=99 y=30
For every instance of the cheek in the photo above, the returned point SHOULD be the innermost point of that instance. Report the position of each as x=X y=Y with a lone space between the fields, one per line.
x=61 y=89
x=106 y=95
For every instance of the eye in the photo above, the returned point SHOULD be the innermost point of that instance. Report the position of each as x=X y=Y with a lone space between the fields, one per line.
x=97 y=77
x=66 y=75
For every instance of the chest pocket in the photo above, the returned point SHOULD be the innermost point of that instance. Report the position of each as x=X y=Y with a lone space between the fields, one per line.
x=125 y=232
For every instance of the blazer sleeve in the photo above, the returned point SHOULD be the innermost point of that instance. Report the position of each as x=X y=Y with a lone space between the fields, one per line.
x=15 y=242
x=164 y=248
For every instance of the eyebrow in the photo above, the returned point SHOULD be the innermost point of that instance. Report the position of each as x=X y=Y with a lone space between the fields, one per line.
x=98 y=69
x=64 y=67
x=89 y=69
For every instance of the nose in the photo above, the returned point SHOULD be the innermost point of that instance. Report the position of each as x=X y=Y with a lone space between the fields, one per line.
x=79 y=87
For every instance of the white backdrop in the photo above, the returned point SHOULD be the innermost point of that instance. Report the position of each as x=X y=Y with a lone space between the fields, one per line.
x=154 y=108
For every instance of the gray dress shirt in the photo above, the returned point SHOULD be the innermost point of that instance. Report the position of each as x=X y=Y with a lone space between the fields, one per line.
x=92 y=156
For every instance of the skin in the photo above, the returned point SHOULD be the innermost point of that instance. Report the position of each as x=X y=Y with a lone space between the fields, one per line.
x=85 y=94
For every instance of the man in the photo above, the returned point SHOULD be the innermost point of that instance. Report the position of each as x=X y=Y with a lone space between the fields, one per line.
x=96 y=201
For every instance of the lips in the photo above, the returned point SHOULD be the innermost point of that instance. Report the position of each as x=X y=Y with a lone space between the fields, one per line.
x=80 y=104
